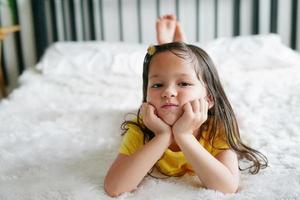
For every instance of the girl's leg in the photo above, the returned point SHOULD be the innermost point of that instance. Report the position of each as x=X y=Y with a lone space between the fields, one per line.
x=165 y=29
x=179 y=35
x=168 y=29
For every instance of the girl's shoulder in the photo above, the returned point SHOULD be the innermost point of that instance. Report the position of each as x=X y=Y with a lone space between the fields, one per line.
x=132 y=140
x=134 y=121
x=213 y=139
x=134 y=127
x=213 y=134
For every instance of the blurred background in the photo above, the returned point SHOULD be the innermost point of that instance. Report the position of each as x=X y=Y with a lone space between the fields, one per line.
x=28 y=27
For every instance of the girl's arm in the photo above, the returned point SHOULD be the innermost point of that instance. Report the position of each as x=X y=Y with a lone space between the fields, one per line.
x=220 y=173
x=128 y=171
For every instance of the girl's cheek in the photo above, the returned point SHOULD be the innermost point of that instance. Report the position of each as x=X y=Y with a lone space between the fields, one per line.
x=200 y=94
x=190 y=96
x=148 y=99
x=153 y=93
x=150 y=96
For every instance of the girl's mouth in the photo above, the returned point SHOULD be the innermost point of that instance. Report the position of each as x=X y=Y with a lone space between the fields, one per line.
x=169 y=106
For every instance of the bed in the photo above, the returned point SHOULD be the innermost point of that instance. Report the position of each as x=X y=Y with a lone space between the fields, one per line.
x=60 y=130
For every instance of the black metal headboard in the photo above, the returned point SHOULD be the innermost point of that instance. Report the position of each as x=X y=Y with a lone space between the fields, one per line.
x=89 y=18
x=133 y=21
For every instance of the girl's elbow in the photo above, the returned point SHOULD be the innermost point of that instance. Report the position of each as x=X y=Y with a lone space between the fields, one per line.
x=226 y=189
x=111 y=191
x=110 y=188
x=114 y=190
x=233 y=188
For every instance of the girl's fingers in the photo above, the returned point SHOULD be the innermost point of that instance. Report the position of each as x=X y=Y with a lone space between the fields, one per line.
x=201 y=105
x=143 y=109
x=195 y=105
x=147 y=110
x=187 y=108
x=204 y=107
x=151 y=110
x=206 y=110
x=201 y=101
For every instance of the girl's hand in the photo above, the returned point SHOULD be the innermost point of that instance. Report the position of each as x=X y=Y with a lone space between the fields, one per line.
x=152 y=121
x=194 y=115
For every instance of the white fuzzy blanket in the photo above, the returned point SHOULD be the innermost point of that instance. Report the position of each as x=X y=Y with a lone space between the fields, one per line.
x=60 y=130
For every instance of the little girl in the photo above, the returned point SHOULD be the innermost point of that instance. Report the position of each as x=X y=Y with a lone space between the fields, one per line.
x=185 y=124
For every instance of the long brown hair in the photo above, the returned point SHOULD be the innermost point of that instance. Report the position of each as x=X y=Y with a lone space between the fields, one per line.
x=220 y=117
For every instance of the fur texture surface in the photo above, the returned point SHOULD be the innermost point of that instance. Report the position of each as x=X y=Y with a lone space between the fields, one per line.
x=60 y=130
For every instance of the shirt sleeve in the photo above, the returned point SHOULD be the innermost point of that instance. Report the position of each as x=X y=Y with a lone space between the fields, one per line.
x=132 y=140
x=219 y=145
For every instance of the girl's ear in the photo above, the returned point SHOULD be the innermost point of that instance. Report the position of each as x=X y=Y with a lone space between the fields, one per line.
x=210 y=101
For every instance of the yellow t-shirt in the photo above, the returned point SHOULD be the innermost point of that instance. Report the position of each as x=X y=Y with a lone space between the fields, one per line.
x=171 y=163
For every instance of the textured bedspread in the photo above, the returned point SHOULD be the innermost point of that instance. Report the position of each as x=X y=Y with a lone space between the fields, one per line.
x=60 y=130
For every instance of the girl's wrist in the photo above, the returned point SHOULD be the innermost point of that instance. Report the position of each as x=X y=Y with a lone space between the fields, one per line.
x=165 y=137
x=183 y=136
x=181 y=133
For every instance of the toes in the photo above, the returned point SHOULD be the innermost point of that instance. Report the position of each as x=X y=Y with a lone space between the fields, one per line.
x=170 y=17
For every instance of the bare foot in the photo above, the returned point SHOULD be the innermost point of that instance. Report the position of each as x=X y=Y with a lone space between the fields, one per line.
x=165 y=29
x=179 y=35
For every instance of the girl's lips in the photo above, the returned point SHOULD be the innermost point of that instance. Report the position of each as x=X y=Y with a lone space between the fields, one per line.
x=169 y=106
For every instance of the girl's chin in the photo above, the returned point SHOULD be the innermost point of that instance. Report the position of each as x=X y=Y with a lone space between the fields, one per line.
x=170 y=120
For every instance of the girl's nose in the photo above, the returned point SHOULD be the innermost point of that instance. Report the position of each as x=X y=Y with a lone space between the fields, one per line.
x=169 y=92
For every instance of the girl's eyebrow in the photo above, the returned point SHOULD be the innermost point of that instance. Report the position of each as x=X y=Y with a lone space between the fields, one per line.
x=178 y=75
x=153 y=76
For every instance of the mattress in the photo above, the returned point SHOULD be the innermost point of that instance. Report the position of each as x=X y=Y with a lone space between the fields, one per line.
x=60 y=129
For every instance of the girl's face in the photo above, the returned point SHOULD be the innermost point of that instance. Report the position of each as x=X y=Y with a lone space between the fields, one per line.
x=172 y=82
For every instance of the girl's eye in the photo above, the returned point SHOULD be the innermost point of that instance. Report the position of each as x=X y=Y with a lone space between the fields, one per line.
x=184 y=84
x=156 y=85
